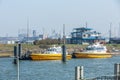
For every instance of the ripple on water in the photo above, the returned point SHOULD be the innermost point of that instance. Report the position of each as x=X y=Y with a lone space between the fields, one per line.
x=56 y=70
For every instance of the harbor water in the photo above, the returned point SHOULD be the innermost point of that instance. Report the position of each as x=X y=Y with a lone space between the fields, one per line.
x=56 y=70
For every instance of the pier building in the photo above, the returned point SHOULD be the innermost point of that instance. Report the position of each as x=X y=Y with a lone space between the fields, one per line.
x=85 y=35
x=115 y=40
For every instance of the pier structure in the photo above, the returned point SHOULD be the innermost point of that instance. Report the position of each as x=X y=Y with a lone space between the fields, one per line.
x=79 y=74
x=18 y=53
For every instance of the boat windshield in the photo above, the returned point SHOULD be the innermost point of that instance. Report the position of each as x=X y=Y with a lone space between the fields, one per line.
x=55 y=49
x=52 y=49
x=95 y=48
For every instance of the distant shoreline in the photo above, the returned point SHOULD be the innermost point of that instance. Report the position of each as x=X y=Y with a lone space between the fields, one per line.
x=2 y=55
x=8 y=50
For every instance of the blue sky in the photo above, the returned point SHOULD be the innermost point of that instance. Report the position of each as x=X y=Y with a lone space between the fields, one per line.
x=50 y=15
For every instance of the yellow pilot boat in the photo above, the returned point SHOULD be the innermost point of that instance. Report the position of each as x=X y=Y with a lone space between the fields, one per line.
x=53 y=53
x=96 y=50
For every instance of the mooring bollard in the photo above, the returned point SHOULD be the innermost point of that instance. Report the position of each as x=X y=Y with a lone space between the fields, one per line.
x=63 y=53
x=79 y=73
x=117 y=71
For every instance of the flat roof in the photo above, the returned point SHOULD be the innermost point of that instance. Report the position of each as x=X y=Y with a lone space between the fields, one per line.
x=83 y=28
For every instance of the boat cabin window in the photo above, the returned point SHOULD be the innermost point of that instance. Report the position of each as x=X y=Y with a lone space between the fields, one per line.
x=89 y=49
x=100 y=48
x=51 y=50
x=94 y=48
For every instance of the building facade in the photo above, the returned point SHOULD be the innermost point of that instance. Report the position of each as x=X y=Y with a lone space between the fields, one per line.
x=85 y=35
x=8 y=40
x=114 y=40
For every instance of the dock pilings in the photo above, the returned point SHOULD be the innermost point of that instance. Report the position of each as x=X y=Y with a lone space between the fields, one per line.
x=79 y=73
x=64 y=47
x=64 y=53
x=15 y=55
x=17 y=52
x=117 y=71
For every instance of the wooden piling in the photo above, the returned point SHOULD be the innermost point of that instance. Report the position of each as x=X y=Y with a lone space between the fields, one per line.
x=79 y=73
